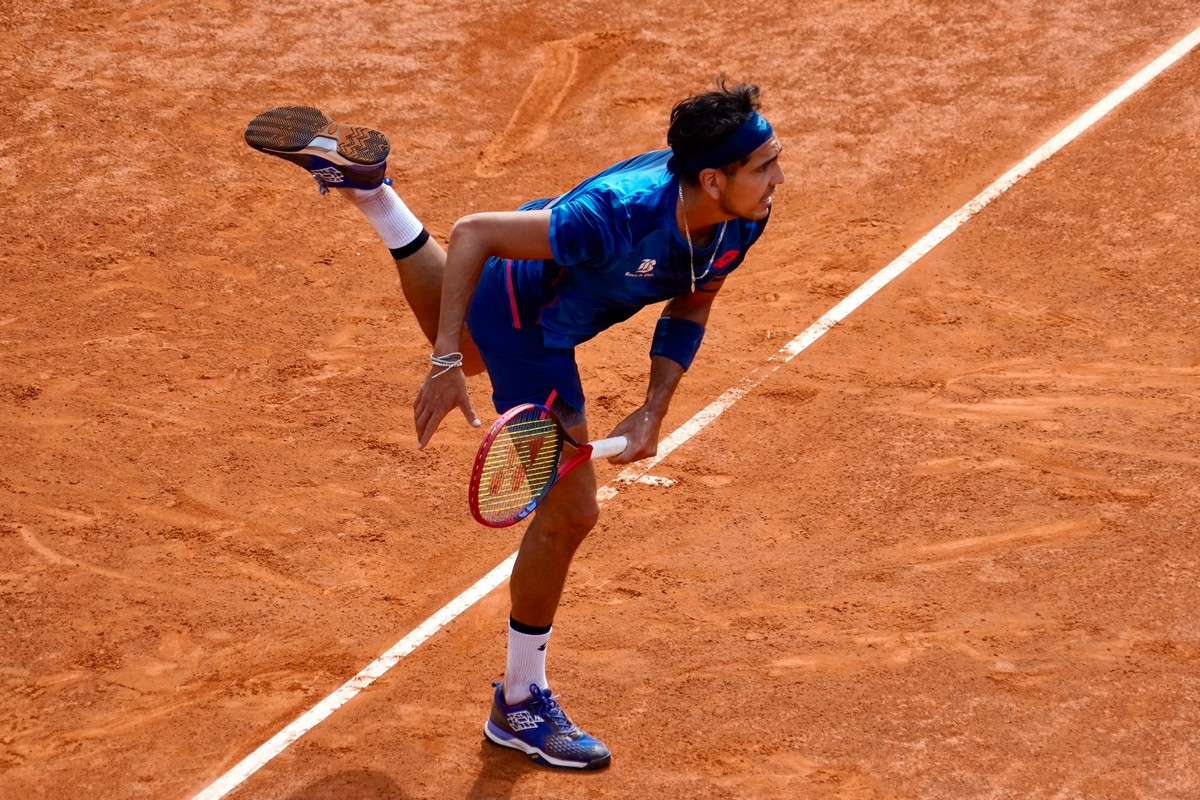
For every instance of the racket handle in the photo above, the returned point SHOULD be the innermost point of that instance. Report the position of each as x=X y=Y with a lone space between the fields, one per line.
x=607 y=448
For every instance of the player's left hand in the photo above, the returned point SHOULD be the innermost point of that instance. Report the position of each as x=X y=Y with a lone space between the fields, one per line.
x=442 y=391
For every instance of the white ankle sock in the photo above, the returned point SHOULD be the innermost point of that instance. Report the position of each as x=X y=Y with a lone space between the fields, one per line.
x=383 y=208
x=526 y=665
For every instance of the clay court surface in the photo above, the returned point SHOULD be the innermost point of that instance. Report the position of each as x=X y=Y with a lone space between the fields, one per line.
x=948 y=551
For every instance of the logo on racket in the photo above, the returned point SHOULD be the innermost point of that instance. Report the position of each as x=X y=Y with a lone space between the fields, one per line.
x=520 y=456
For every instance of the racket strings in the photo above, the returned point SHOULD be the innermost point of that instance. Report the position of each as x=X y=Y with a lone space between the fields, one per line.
x=519 y=467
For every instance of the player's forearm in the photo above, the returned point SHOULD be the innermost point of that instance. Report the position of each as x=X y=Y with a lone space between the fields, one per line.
x=665 y=375
x=644 y=425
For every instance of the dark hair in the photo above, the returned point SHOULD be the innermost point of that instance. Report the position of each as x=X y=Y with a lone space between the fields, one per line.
x=701 y=121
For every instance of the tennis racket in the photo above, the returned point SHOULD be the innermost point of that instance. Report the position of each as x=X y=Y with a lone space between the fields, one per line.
x=521 y=458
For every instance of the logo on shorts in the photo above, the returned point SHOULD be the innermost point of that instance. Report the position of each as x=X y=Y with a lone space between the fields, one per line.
x=644 y=269
x=330 y=175
x=523 y=720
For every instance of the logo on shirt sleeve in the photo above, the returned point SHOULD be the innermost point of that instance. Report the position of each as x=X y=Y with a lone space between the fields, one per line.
x=726 y=259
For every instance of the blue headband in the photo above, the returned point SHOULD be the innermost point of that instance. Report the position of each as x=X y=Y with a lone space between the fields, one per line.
x=753 y=133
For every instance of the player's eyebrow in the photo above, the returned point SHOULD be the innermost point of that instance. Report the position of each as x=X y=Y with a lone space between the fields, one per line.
x=770 y=160
x=774 y=158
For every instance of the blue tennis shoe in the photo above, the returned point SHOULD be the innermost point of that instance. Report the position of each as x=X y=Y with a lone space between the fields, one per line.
x=540 y=728
x=343 y=156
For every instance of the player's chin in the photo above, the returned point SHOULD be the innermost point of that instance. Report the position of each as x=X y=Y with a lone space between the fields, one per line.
x=760 y=210
x=754 y=211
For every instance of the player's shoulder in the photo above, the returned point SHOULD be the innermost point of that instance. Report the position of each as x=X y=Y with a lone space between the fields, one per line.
x=631 y=180
x=649 y=163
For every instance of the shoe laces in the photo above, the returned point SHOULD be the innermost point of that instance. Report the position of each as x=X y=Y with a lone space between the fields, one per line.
x=548 y=708
x=323 y=187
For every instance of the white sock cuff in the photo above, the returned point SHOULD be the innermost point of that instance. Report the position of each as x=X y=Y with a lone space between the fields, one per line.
x=526 y=664
x=396 y=225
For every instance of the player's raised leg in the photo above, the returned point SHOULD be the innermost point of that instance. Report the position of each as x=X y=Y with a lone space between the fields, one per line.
x=353 y=159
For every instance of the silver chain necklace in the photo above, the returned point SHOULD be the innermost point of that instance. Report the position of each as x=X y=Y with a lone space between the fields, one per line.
x=691 y=251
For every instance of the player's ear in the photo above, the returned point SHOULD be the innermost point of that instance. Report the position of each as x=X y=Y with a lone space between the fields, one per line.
x=712 y=182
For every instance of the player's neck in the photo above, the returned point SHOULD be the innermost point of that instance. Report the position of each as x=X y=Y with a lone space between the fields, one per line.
x=702 y=215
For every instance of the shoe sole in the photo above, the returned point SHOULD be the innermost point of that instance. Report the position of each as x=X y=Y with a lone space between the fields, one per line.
x=305 y=130
x=497 y=737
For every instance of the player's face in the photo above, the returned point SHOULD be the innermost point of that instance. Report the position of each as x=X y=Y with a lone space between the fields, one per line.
x=748 y=192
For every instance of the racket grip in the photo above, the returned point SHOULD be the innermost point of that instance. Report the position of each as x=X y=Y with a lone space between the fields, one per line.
x=607 y=448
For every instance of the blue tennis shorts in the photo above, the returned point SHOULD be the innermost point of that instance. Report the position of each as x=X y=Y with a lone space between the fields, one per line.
x=522 y=368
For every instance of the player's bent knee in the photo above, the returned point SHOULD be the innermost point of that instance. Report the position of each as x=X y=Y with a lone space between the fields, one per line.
x=575 y=519
x=583 y=519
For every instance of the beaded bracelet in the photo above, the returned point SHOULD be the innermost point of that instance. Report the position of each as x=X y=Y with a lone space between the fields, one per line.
x=446 y=362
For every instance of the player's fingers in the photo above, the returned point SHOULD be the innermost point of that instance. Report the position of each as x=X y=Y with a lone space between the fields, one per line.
x=636 y=451
x=425 y=417
x=423 y=437
x=626 y=456
x=469 y=412
x=426 y=426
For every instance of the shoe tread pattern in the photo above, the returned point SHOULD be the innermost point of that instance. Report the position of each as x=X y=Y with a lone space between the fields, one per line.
x=289 y=129
x=286 y=129
x=361 y=145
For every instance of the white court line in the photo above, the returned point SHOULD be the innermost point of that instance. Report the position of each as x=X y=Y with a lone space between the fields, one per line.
x=307 y=721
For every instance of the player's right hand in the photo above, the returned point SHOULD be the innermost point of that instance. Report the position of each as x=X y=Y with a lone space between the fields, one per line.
x=641 y=428
x=441 y=391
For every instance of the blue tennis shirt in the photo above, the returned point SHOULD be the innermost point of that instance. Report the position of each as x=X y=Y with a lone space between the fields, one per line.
x=617 y=248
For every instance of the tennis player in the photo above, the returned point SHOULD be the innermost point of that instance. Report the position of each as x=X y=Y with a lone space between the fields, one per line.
x=522 y=289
